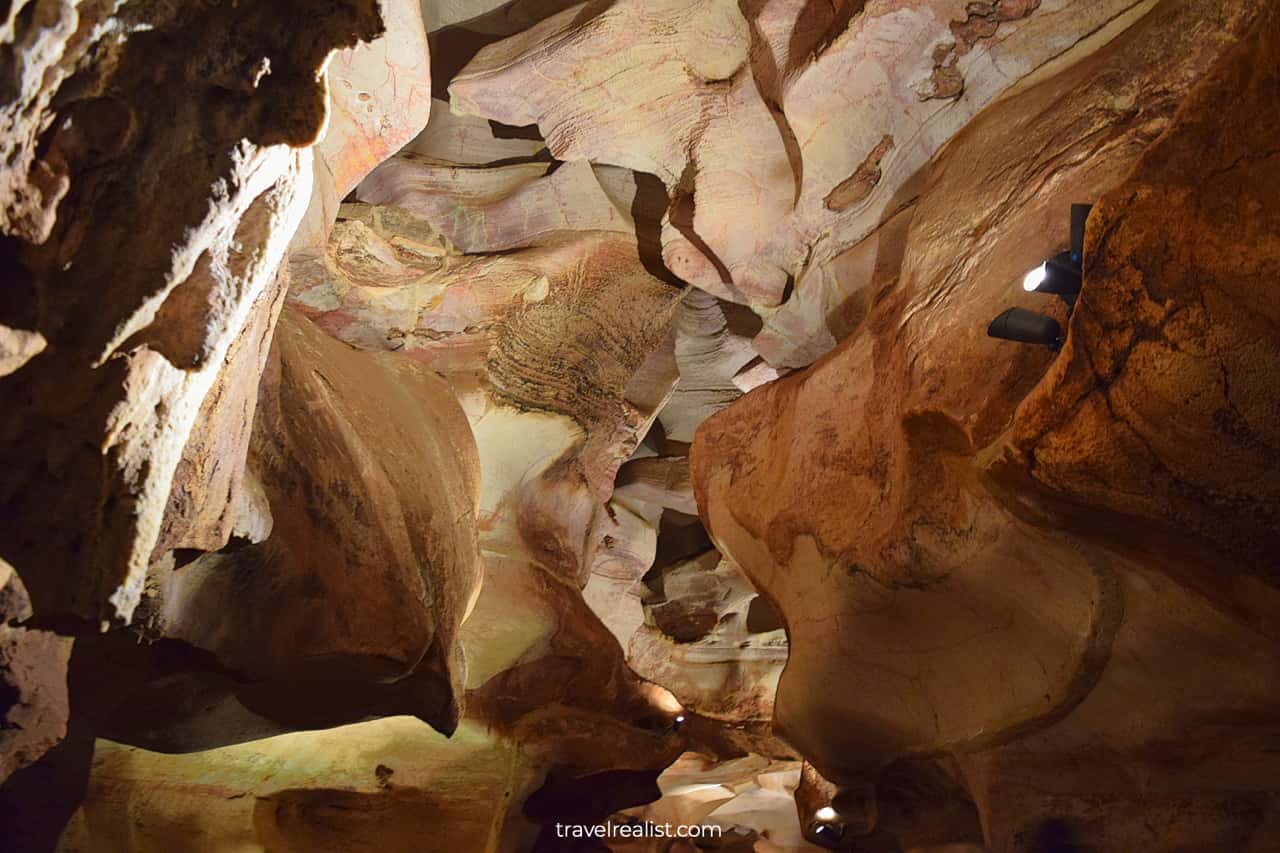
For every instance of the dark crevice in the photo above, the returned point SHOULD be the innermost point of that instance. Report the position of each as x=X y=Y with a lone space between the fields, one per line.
x=647 y=209
x=683 y=209
x=512 y=131
x=840 y=14
x=768 y=81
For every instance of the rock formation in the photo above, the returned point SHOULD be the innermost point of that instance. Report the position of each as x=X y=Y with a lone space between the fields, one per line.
x=429 y=426
x=920 y=508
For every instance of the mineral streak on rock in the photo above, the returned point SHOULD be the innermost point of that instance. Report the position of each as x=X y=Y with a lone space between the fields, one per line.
x=755 y=148
x=859 y=185
x=982 y=21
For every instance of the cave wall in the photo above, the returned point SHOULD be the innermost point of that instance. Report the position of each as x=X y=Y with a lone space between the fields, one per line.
x=422 y=424
x=1029 y=574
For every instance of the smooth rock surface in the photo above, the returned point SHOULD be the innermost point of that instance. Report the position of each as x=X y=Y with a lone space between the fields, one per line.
x=878 y=500
x=424 y=426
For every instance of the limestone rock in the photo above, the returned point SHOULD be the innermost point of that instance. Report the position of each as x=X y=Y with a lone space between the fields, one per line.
x=33 y=681
x=313 y=791
x=380 y=98
x=464 y=140
x=494 y=209
x=701 y=642
x=554 y=334
x=179 y=152
x=710 y=352
x=437 y=423
x=750 y=799
x=857 y=494
x=17 y=347
x=357 y=610
x=755 y=117
x=1162 y=407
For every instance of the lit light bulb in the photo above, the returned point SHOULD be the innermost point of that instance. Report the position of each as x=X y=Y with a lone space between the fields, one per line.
x=1035 y=278
x=825 y=813
x=679 y=719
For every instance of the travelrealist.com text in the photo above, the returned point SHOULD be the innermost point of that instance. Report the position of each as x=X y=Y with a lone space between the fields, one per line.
x=636 y=830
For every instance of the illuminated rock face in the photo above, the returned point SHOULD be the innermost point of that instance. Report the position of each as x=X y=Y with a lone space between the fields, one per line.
x=430 y=424
x=986 y=552
x=356 y=612
x=33 y=667
x=391 y=783
x=157 y=198
x=786 y=131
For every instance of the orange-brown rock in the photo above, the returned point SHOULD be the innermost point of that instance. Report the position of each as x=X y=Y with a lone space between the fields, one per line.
x=557 y=348
x=341 y=612
x=439 y=423
x=932 y=608
x=179 y=152
x=33 y=681
x=1162 y=407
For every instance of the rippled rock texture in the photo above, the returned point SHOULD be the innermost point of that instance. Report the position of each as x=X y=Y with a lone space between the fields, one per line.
x=1024 y=562
x=425 y=425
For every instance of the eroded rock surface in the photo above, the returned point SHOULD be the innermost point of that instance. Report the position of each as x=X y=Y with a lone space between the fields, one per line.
x=859 y=497
x=33 y=681
x=180 y=156
x=602 y=384
x=755 y=116
x=370 y=566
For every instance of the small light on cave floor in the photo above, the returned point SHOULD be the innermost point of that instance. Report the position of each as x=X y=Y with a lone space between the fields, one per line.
x=825 y=813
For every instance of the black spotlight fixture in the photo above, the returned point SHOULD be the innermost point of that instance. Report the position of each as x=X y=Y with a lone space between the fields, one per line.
x=1059 y=276
x=1027 y=327
x=828 y=834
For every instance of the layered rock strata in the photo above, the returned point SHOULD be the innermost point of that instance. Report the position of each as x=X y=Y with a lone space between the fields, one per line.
x=984 y=551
